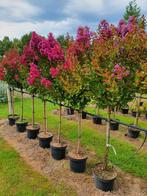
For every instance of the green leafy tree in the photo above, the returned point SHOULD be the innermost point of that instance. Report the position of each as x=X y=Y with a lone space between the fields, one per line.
x=132 y=10
x=5 y=45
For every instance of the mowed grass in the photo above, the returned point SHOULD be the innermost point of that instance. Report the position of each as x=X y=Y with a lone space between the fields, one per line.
x=17 y=178
x=92 y=140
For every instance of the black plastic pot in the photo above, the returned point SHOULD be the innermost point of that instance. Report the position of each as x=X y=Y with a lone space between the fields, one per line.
x=84 y=115
x=125 y=110
x=146 y=115
x=70 y=111
x=21 y=126
x=97 y=120
x=104 y=185
x=44 y=141
x=134 y=113
x=58 y=153
x=141 y=103
x=32 y=132
x=114 y=125
x=77 y=165
x=12 y=119
x=133 y=133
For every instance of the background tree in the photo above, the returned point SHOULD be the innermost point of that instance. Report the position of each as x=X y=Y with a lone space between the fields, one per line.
x=5 y=45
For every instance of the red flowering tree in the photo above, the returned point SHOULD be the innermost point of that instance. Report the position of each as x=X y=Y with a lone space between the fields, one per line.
x=75 y=74
x=117 y=54
x=10 y=71
x=43 y=74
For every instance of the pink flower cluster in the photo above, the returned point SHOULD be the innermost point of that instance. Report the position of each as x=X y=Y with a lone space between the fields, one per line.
x=105 y=29
x=34 y=73
x=120 y=72
x=28 y=56
x=46 y=83
x=54 y=72
x=49 y=47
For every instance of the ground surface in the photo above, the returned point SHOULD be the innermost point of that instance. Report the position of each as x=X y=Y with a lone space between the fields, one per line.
x=58 y=171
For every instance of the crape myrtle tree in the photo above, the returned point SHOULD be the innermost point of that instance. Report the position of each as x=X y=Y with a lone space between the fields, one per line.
x=42 y=75
x=10 y=72
x=75 y=74
x=118 y=53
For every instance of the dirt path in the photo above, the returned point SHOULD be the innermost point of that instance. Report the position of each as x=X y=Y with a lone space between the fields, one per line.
x=58 y=171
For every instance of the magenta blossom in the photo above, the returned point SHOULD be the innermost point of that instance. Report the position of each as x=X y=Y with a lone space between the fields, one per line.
x=54 y=72
x=46 y=83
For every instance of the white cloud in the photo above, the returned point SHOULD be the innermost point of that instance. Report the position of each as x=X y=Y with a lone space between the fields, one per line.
x=100 y=7
x=14 y=29
x=18 y=9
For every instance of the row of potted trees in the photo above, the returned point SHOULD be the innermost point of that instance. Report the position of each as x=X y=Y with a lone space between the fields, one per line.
x=107 y=66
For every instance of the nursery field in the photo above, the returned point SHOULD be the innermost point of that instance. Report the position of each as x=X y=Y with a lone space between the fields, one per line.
x=93 y=137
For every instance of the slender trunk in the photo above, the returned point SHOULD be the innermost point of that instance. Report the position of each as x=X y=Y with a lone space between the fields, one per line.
x=12 y=96
x=79 y=131
x=106 y=158
x=9 y=95
x=97 y=110
x=137 y=111
x=21 y=104
x=33 y=121
x=45 y=119
x=59 y=130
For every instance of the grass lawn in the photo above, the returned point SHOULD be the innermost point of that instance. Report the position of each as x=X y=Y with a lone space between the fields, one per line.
x=91 y=139
x=17 y=178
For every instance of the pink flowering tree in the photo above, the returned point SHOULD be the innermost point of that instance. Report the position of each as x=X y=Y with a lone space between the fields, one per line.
x=43 y=74
x=75 y=74
x=117 y=53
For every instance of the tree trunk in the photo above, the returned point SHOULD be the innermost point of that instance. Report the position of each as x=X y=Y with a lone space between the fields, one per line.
x=106 y=157
x=12 y=99
x=9 y=95
x=79 y=131
x=59 y=130
x=137 y=111
x=21 y=104
x=33 y=121
x=45 y=119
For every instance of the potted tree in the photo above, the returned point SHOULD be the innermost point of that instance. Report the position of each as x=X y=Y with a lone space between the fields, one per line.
x=75 y=80
x=114 y=78
x=29 y=56
x=10 y=64
x=49 y=55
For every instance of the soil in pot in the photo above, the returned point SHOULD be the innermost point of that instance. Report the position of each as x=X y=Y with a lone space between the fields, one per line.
x=12 y=119
x=70 y=111
x=125 y=110
x=58 y=150
x=45 y=139
x=114 y=125
x=84 y=115
x=133 y=133
x=33 y=131
x=77 y=162
x=21 y=126
x=97 y=120
x=104 y=179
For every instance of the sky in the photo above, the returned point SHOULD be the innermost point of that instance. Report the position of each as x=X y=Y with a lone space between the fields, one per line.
x=18 y=17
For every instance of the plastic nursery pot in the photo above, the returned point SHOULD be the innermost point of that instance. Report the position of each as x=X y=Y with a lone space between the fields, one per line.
x=33 y=131
x=114 y=125
x=84 y=115
x=21 y=126
x=58 y=150
x=12 y=119
x=70 y=111
x=97 y=120
x=104 y=180
x=133 y=133
x=45 y=139
x=134 y=113
x=125 y=110
x=77 y=162
x=141 y=103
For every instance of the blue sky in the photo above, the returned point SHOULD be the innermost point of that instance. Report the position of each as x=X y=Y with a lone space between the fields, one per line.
x=18 y=17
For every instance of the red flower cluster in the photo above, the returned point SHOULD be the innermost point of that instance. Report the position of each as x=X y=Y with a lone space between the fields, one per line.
x=54 y=72
x=34 y=73
x=2 y=73
x=46 y=83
